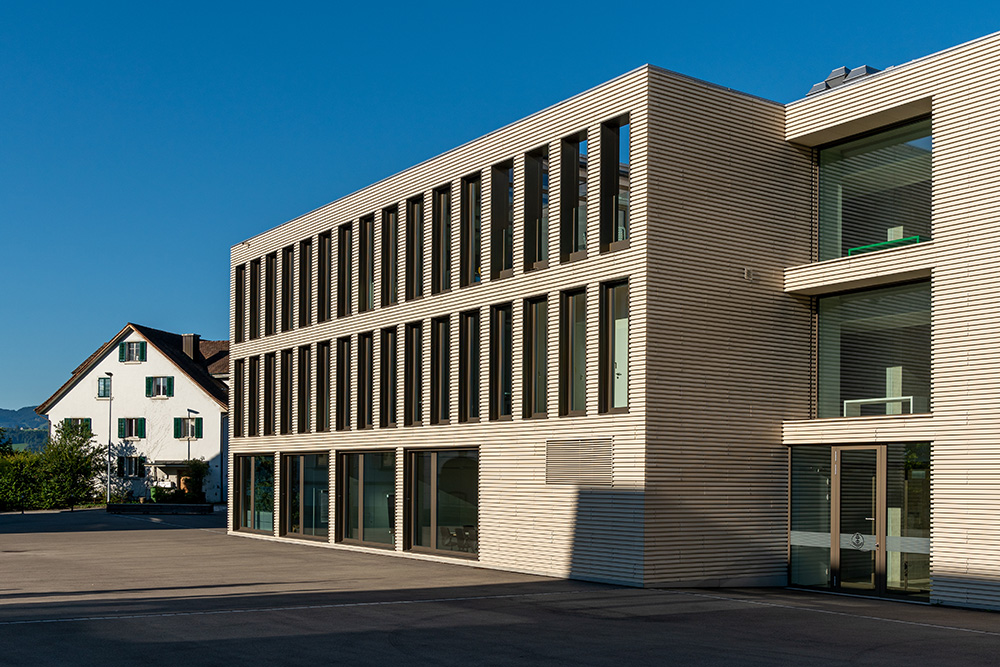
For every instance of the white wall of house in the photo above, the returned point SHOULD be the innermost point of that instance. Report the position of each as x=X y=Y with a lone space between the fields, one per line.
x=129 y=400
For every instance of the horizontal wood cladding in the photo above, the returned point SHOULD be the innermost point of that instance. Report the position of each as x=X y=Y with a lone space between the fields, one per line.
x=728 y=352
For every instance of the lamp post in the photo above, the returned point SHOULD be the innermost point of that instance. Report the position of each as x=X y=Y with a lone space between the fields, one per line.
x=108 y=485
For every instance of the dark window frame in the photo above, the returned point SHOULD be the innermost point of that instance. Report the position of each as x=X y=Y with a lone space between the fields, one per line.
x=270 y=362
x=530 y=359
x=344 y=269
x=253 y=398
x=285 y=392
x=255 y=304
x=287 y=260
x=240 y=307
x=270 y=294
x=413 y=374
x=567 y=357
x=323 y=386
x=325 y=278
x=390 y=256
x=441 y=240
x=366 y=263
x=502 y=220
x=414 y=248
x=242 y=477
x=388 y=375
x=343 y=505
x=469 y=363
x=239 y=389
x=610 y=184
x=305 y=282
x=441 y=370
x=366 y=370
x=343 y=416
x=572 y=177
x=297 y=460
x=304 y=388
x=501 y=362
x=606 y=343
x=536 y=209
x=471 y=233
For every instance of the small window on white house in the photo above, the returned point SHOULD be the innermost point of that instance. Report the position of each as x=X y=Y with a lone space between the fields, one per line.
x=77 y=421
x=132 y=351
x=159 y=386
x=187 y=427
x=132 y=427
x=104 y=387
x=131 y=466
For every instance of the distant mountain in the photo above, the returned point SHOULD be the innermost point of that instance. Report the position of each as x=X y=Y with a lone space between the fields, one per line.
x=23 y=418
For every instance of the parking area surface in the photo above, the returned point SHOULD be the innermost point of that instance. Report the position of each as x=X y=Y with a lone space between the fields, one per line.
x=87 y=588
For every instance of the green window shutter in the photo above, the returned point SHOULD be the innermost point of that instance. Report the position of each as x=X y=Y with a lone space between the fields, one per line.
x=66 y=422
x=121 y=427
x=142 y=351
x=142 y=466
x=149 y=387
x=87 y=423
x=170 y=386
x=177 y=427
x=197 y=427
x=121 y=351
x=141 y=428
x=121 y=466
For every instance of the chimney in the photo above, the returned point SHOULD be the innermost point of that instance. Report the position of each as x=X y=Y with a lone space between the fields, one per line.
x=190 y=345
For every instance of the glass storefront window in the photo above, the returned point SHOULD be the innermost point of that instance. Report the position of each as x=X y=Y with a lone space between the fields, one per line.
x=446 y=500
x=306 y=499
x=908 y=519
x=256 y=493
x=875 y=192
x=369 y=497
x=875 y=352
x=810 y=517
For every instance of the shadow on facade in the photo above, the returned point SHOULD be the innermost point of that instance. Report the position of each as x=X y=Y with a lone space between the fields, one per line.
x=607 y=536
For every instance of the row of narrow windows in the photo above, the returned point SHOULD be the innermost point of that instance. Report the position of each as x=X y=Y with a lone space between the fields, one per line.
x=333 y=249
x=263 y=384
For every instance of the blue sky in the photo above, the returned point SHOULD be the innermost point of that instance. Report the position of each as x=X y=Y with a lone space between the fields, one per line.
x=139 y=141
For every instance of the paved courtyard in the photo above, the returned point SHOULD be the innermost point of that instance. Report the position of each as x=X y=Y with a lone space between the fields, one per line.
x=87 y=588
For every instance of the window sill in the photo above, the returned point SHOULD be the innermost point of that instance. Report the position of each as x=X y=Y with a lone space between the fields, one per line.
x=389 y=425
x=537 y=415
x=159 y=398
x=469 y=420
x=574 y=256
x=103 y=398
x=574 y=413
x=537 y=266
x=184 y=438
x=441 y=422
x=616 y=246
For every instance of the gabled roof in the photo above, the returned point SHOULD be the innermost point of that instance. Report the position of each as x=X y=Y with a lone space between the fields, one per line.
x=213 y=358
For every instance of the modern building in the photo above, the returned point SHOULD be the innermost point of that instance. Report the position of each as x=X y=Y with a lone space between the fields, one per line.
x=163 y=396
x=663 y=333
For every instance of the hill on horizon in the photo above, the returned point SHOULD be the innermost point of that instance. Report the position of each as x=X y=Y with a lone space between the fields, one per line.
x=22 y=418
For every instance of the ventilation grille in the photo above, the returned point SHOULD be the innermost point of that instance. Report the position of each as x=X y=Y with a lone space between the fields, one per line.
x=579 y=462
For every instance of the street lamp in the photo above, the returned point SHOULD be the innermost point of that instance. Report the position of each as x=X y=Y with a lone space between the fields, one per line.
x=108 y=485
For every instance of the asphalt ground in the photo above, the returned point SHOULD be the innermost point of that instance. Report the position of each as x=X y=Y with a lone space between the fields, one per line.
x=87 y=588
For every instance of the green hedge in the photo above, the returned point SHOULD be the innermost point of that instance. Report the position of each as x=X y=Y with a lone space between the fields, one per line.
x=64 y=474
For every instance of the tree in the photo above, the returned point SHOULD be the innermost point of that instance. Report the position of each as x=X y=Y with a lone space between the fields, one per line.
x=6 y=448
x=71 y=461
x=21 y=476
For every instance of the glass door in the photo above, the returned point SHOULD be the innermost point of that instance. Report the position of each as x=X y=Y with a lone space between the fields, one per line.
x=858 y=547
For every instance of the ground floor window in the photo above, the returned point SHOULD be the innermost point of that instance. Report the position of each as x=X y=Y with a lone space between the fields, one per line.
x=368 y=497
x=255 y=492
x=444 y=500
x=305 y=495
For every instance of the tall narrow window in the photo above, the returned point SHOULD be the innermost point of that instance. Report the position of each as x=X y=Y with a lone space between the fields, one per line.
x=270 y=294
x=614 y=347
x=367 y=499
x=444 y=505
x=366 y=264
x=502 y=221
x=573 y=354
x=536 y=209
x=285 y=412
x=441 y=241
x=239 y=391
x=390 y=256
x=472 y=230
x=305 y=282
x=305 y=495
x=304 y=388
x=536 y=353
x=387 y=380
x=344 y=270
x=344 y=383
x=254 y=493
x=614 y=185
x=366 y=351
x=573 y=198
x=269 y=379
x=325 y=276
x=323 y=386
x=254 y=299
x=253 y=398
x=414 y=248
x=287 y=256
x=413 y=386
x=501 y=361
x=468 y=366
x=440 y=370
x=241 y=304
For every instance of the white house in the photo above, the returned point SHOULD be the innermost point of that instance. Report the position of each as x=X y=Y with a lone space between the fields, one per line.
x=155 y=400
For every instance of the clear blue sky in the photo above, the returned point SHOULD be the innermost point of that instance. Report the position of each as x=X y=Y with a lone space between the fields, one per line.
x=139 y=141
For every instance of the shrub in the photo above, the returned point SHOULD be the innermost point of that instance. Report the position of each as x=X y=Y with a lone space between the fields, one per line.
x=21 y=476
x=71 y=463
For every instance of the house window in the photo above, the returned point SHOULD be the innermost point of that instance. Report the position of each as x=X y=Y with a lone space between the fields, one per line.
x=188 y=427
x=875 y=191
x=305 y=282
x=253 y=398
x=255 y=299
x=536 y=210
x=368 y=497
x=614 y=347
x=239 y=390
x=441 y=240
x=270 y=361
x=304 y=400
x=875 y=352
x=366 y=264
x=325 y=267
x=344 y=270
x=366 y=342
x=573 y=199
x=323 y=386
x=501 y=361
x=536 y=355
x=159 y=386
x=444 y=500
x=414 y=248
x=287 y=255
x=132 y=351
x=468 y=366
x=240 y=303
x=254 y=507
x=440 y=370
x=390 y=256
x=387 y=381
x=270 y=293
x=305 y=495
x=132 y=427
x=413 y=387
x=573 y=354
x=614 y=185
x=78 y=422
x=472 y=230
x=104 y=387
x=285 y=393
x=502 y=222
x=344 y=383
x=131 y=466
